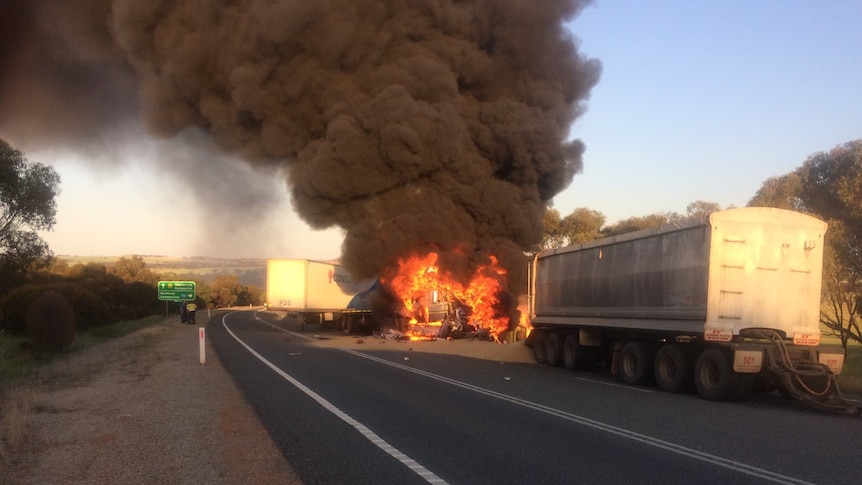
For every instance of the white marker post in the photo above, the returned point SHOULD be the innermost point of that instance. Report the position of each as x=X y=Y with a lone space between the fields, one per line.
x=202 y=345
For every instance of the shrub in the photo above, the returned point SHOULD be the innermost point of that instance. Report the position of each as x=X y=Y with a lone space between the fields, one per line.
x=137 y=300
x=50 y=322
x=89 y=309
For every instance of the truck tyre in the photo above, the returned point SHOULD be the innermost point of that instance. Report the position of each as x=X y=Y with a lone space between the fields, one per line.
x=635 y=363
x=538 y=341
x=301 y=317
x=554 y=349
x=672 y=367
x=575 y=357
x=714 y=376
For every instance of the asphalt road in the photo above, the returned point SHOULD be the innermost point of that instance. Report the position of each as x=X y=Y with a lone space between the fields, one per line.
x=349 y=416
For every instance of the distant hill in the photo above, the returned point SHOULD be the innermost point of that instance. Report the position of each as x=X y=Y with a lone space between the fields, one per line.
x=250 y=271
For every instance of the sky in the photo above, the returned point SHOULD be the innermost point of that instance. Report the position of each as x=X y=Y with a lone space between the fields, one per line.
x=696 y=101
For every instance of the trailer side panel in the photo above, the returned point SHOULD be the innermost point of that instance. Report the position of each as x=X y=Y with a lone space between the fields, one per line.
x=308 y=286
x=716 y=276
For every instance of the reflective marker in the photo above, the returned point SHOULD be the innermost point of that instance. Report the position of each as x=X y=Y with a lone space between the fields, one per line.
x=203 y=349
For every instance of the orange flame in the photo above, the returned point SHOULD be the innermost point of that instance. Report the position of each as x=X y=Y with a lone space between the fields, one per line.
x=421 y=287
x=524 y=320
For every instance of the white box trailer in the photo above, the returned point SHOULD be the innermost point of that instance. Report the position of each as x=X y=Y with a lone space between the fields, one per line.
x=720 y=300
x=315 y=291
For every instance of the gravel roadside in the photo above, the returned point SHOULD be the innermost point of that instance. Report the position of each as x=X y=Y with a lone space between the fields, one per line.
x=141 y=409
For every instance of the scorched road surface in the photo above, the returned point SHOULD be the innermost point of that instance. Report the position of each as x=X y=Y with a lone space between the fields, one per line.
x=363 y=415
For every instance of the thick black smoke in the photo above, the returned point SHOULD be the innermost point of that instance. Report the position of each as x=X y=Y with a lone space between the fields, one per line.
x=412 y=124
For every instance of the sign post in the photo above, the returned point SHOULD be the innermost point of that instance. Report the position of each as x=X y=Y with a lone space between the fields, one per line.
x=176 y=290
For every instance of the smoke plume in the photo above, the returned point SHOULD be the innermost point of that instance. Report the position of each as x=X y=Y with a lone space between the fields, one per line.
x=412 y=124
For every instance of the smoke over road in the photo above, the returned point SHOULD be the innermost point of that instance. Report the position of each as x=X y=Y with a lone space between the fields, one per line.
x=435 y=124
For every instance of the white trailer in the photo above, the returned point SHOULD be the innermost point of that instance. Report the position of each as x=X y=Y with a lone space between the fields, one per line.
x=724 y=301
x=314 y=291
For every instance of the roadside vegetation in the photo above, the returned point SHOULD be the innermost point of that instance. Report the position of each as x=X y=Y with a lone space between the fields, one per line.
x=51 y=306
x=100 y=295
x=18 y=359
x=194 y=268
x=850 y=380
x=20 y=366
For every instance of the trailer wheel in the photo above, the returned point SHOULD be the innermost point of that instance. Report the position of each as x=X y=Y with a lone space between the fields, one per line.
x=538 y=341
x=554 y=349
x=575 y=357
x=714 y=376
x=635 y=363
x=672 y=367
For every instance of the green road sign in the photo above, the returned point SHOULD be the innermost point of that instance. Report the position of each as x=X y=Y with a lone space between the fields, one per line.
x=176 y=290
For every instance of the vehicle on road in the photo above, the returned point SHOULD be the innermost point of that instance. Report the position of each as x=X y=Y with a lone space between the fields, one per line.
x=729 y=303
x=316 y=292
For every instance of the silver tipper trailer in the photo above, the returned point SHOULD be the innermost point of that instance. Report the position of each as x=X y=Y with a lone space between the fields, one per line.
x=724 y=301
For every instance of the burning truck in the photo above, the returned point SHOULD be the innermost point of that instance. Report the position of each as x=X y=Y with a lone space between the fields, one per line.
x=414 y=300
x=432 y=303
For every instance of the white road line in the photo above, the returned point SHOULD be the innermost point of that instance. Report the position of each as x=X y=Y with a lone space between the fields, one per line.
x=367 y=433
x=648 y=440
x=632 y=435
x=611 y=384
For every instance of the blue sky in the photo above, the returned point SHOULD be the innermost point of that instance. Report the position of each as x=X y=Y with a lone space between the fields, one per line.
x=705 y=100
x=698 y=100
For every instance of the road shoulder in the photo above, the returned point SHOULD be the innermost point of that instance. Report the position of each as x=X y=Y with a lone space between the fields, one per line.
x=142 y=409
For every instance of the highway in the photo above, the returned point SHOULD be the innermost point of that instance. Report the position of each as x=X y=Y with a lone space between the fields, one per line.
x=342 y=415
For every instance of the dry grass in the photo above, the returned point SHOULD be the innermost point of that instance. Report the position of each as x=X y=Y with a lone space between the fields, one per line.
x=15 y=413
x=23 y=372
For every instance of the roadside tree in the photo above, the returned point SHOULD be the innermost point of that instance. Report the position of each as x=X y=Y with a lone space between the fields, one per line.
x=256 y=295
x=134 y=269
x=701 y=208
x=227 y=291
x=27 y=205
x=831 y=186
x=842 y=288
x=641 y=222
x=781 y=192
x=582 y=225
x=553 y=231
